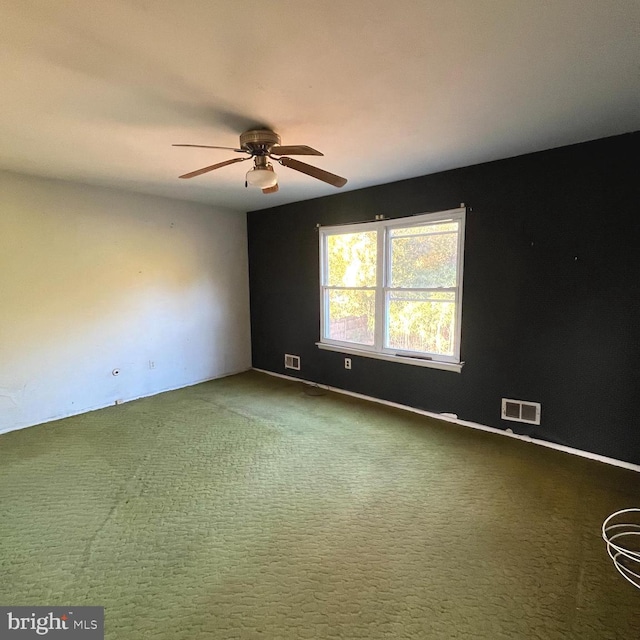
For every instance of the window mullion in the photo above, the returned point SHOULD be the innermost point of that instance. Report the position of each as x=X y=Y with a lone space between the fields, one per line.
x=380 y=321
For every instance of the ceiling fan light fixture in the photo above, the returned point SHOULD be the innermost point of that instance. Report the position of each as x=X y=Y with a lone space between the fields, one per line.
x=262 y=177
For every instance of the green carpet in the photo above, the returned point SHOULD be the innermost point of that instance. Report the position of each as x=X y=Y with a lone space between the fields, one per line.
x=247 y=508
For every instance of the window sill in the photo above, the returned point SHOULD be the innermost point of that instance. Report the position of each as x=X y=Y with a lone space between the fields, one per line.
x=416 y=362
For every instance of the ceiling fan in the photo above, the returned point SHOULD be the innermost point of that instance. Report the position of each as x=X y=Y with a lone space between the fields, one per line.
x=262 y=145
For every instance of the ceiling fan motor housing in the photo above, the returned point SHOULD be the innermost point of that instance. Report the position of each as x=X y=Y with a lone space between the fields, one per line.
x=259 y=141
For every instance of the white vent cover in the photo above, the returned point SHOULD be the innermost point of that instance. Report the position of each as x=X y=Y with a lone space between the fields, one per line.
x=291 y=362
x=520 y=411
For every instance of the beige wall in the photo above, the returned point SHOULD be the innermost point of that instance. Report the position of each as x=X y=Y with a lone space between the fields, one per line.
x=95 y=279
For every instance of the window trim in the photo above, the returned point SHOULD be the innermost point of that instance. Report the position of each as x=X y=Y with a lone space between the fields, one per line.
x=378 y=350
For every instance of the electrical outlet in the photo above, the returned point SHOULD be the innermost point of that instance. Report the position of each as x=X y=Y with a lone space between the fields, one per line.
x=347 y=363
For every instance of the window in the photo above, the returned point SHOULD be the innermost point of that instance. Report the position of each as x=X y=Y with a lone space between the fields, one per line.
x=392 y=289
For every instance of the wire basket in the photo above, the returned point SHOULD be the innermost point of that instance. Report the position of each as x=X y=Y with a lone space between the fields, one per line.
x=621 y=532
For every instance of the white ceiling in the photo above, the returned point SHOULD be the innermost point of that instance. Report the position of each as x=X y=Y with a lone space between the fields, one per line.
x=96 y=91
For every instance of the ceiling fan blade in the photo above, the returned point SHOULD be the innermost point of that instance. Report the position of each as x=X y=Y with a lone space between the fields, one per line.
x=199 y=172
x=314 y=172
x=206 y=146
x=295 y=150
x=273 y=189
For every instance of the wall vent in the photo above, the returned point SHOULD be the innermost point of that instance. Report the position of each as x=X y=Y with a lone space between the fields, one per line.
x=521 y=411
x=291 y=362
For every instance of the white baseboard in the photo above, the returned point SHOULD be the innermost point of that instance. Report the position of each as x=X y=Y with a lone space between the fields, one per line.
x=123 y=401
x=466 y=423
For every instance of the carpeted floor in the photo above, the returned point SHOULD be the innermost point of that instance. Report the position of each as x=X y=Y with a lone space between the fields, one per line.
x=247 y=508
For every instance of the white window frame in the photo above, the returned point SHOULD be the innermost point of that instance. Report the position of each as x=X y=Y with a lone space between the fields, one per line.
x=378 y=350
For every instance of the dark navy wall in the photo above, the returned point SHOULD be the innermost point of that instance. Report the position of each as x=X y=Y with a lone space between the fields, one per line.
x=551 y=307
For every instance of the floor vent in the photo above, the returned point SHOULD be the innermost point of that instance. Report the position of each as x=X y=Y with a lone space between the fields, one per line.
x=520 y=411
x=291 y=362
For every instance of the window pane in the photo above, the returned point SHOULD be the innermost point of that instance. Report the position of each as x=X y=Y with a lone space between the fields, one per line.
x=421 y=325
x=351 y=316
x=352 y=259
x=424 y=261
